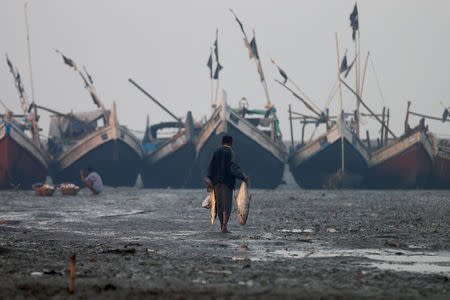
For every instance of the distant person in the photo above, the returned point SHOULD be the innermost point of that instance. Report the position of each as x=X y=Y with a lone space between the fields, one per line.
x=93 y=181
x=222 y=173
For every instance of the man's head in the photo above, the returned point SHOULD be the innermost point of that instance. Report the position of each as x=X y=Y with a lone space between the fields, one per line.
x=90 y=169
x=227 y=140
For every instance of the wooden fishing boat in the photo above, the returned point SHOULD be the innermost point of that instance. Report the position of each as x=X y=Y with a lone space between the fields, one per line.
x=170 y=162
x=112 y=150
x=256 y=140
x=404 y=163
x=441 y=167
x=22 y=161
x=316 y=164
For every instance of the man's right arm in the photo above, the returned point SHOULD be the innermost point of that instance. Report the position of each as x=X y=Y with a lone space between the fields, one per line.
x=211 y=167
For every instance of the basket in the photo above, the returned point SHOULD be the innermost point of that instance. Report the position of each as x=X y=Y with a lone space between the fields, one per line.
x=69 y=189
x=43 y=189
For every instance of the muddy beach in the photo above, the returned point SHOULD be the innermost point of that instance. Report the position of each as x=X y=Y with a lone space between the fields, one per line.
x=135 y=243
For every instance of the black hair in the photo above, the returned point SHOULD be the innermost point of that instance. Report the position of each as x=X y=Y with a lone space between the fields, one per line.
x=90 y=169
x=226 y=139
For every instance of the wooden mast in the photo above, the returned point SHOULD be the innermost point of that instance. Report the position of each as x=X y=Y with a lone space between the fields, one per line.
x=156 y=101
x=34 y=115
x=298 y=88
x=407 y=117
x=213 y=104
x=357 y=79
x=217 y=61
x=88 y=85
x=292 y=133
x=263 y=77
x=341 y=123
x=368 y=109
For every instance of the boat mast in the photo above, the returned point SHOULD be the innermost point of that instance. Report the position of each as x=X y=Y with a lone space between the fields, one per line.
x=218 y=68
x=357 y=81
x=368 y=109
x=156 y=101
x=213 y=104
x=292 y=133
x=261 y=73
x=341 y=123
x=88 y=83
x=256 y=57
x=35 y=131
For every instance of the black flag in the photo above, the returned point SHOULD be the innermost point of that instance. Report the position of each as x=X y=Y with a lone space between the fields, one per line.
x=209 y=64
x=282 y=73
x=19 y=85
x=344 y=65
x=254 y=48
x=239 y=22
x=216 y=52
x=216 y=73
x=354 y=22
x=9 y=64
x=445 y=115
x=349 y=68
x=68 y=61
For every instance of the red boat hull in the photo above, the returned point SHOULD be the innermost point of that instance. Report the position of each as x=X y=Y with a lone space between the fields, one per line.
x=18 y=167
x=409 y=169
x=441 y=171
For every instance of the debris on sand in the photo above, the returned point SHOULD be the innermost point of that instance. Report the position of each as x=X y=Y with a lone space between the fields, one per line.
x=241 y=258
x=242 y=247
x=121 y=249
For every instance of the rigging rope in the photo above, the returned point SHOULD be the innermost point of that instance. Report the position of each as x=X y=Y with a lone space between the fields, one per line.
x=378 y=82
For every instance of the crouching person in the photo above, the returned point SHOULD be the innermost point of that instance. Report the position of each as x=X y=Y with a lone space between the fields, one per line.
x=93 y=181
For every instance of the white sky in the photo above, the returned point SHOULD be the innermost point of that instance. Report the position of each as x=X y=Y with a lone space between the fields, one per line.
x=164 y=46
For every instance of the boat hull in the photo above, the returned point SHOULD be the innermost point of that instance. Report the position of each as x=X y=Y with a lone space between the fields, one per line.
x=259 y=157
x=318 y=164
x=172 y=166
x=21 y=163
x=442 y=171
x=405 y=163
x=113 y=152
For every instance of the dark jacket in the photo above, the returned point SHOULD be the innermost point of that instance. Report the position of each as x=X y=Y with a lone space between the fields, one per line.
x=223 y=168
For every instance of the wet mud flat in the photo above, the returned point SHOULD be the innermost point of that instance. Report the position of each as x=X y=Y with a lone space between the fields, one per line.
x=156 y=244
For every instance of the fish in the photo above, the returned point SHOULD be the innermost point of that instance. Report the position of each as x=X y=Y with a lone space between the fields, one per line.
x=213 y=207
x=207 y=202
x=243 y=203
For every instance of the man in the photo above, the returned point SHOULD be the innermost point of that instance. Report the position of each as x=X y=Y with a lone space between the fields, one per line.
x=222 y=173
x=93 y=181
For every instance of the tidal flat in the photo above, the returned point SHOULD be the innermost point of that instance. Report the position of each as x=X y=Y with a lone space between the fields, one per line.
x=157 y=244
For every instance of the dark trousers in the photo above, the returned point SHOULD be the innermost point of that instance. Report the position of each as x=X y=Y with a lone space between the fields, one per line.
x=224 y=198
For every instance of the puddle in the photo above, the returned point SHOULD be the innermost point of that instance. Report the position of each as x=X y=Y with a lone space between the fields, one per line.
x=383 y=259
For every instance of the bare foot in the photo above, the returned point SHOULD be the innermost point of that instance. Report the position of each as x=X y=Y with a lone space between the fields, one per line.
x=224 y=230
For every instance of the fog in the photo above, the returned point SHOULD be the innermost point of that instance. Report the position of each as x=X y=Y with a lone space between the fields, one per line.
x=164 y=46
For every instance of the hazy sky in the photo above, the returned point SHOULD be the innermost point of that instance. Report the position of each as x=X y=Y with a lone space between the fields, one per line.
x=164 y=46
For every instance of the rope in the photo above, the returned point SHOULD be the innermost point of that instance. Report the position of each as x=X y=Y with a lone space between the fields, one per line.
x=332 y=94
x=376 y=78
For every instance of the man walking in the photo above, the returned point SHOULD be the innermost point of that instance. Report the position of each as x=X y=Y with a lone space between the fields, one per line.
x=222 y=173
